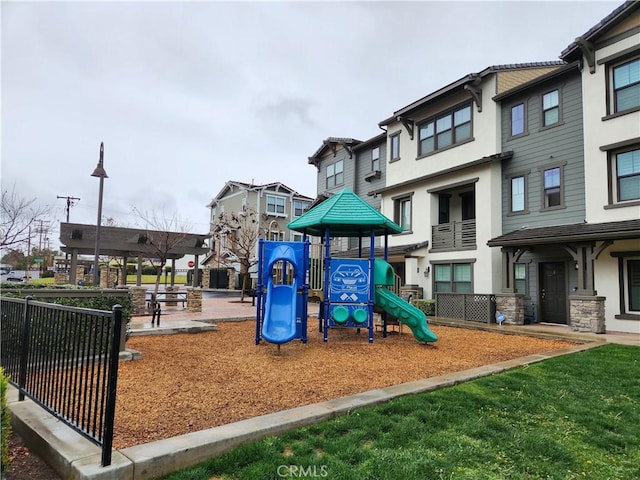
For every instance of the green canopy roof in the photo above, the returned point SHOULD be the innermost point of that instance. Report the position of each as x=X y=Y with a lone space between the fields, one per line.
x=346 y=215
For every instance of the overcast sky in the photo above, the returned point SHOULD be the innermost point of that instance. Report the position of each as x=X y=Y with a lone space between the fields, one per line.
x=188 y=95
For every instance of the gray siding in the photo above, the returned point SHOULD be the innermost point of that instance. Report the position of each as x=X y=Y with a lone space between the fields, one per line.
x=349 y=171
x=541 y=147
x=363 y=168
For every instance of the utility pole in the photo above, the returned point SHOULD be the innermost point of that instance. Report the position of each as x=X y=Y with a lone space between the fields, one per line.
x=70 y=203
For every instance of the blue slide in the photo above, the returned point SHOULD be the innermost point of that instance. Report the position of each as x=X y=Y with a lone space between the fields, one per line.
x=279 y=325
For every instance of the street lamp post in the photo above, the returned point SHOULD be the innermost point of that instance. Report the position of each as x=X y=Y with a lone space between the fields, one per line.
x=101 y=174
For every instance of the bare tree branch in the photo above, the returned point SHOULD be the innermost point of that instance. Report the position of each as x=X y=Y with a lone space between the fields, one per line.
x=17 y=215
x=163 y=233
x=237 y=234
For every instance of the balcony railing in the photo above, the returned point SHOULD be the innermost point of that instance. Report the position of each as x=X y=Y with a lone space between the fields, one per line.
x=454 y=236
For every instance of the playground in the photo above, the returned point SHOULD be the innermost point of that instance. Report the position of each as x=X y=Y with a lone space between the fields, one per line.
x=352 y=289
x=298 y=359
x=214 y=378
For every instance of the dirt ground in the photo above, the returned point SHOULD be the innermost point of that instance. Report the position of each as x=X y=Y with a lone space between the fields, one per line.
x=190 y=382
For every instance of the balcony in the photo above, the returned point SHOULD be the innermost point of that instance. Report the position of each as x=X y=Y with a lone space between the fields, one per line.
x=454 y=236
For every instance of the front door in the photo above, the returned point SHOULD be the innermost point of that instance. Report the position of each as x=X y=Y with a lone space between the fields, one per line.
x=553 y=296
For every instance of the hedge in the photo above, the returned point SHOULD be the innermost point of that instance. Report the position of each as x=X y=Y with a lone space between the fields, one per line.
x=427 y=306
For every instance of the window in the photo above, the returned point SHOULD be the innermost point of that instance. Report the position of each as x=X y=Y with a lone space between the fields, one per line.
x=633 y=285
x=444 y=200
x=552 y=187
x=446 y=130
x=395 y=147
x=275 y=205
x=517 y=119
x=628 y=175
x=550 y=108
x=628 y=284
x=520 y=277
x=298 y=207
x=468 y=201
x=626 y=86
x=453 y=278
x=375 y=159
x=402 y=212
x=335 y=175
x=518 y=194
x=276 y=236
x=296 y=237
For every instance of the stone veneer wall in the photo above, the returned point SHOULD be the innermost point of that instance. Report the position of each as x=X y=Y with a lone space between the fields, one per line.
x=108 y=277
x=512 y=306
x=169 y=289
x=60 y=278
x=138 y=298
x=586 y=314
x=206 y=277
x=194 y=300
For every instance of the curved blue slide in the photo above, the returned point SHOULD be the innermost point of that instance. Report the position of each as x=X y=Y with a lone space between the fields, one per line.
x=279 y=325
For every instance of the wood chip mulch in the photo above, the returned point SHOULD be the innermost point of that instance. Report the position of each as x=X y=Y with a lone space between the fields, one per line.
x=190 y=382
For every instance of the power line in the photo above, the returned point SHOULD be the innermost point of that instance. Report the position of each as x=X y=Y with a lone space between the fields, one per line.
x=70 y=203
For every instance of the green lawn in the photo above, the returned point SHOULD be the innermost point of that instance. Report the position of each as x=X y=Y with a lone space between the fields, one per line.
x=571 y=417
x=131 y=280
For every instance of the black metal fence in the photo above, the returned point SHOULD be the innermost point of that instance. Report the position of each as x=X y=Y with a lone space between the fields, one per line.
x=66 y=360
x=474 y=307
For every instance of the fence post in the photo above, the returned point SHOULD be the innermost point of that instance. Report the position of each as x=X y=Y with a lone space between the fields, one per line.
x=24 y=356
x=112 y=385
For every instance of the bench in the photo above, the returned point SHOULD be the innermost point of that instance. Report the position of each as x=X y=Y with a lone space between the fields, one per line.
x=153 y=302
x=167 y=297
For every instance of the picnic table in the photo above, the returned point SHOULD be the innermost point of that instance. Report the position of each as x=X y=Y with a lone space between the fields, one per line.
x=154 y=302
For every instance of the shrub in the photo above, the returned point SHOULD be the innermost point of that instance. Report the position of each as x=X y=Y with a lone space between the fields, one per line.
x=5 y=423
x=149 y=271
x=48 y=274
x=427 y=306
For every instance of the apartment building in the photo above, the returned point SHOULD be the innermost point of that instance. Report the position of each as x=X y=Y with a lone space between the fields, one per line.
x=444 y=169
x=274 y=204
x=575 y=257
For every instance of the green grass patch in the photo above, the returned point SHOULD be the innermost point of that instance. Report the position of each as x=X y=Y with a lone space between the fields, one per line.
x=151 y=279
x=571 y=417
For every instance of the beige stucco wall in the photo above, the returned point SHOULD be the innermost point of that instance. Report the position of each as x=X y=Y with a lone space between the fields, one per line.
x=486 y=135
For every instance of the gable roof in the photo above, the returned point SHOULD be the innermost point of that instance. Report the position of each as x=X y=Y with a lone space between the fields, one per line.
x=574 y=50
x=569 y=68
x=345 y=215
x=470 y=79
x=330 y=144
x=255 y=188
x=577 y=232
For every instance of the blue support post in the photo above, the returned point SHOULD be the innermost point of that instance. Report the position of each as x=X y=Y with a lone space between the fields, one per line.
x=372 y=287
x=325 y=302
x=259 y=290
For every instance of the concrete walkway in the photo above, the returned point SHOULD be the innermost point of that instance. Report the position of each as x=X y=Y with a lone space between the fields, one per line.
x=74 y=457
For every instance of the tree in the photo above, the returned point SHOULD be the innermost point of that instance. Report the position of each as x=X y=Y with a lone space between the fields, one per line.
x=237 y=234
x=163 y=234
x=16 y=259
x=17 y=215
